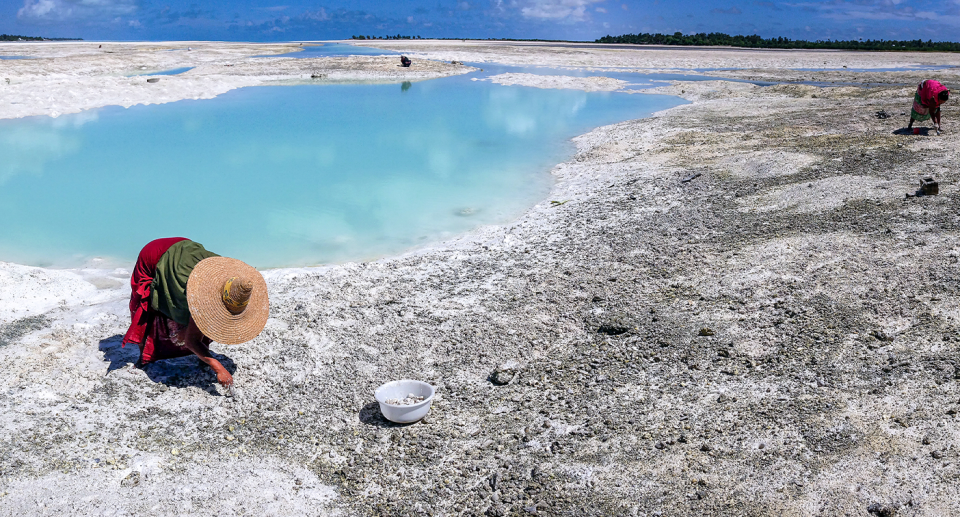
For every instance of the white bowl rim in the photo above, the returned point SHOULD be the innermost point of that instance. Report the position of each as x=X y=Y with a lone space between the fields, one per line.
x=427 y=400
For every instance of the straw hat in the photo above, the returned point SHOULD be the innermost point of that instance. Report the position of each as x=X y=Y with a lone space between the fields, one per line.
x=228 y=300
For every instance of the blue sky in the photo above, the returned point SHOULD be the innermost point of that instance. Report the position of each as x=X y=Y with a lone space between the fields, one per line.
x=289 y=20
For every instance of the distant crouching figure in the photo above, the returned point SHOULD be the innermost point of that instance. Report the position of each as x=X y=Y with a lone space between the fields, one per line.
x=926 y=102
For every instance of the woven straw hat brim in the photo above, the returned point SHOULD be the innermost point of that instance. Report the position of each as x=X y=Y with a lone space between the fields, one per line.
x=205 y=298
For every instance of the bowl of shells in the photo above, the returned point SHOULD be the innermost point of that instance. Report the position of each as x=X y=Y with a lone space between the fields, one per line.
x=404 y=401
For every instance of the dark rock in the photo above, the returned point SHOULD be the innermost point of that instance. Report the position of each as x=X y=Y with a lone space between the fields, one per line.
x=883 y=510
x=153 y=80
x=881 y=335
x=929 y=187
x=937 y=455
x=706 y=332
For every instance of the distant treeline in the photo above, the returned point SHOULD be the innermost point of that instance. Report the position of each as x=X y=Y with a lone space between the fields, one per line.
x=465 y=39
x=754 y=41
x=385 y=37
x=13 y=37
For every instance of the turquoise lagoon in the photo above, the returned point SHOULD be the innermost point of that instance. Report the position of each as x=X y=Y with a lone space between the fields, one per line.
x=290 y=175
x=333 y=49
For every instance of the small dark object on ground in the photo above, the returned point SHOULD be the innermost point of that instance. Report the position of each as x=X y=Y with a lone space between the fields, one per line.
x=132 y=480
x=882 y=114
x=883 y=510
x=405 y=61
x=929 y=187
x=455 y=62
x=503 y=374
x=318 y=76
x=706 y=332
x=688 y=179
x=615 y=323
x=881 y=335
x=153 y=80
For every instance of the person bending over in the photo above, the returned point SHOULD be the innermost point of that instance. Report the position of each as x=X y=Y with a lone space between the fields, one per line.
x=185 y=297
x=926 y=103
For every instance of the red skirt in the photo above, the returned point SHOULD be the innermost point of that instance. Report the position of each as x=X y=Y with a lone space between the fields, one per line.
x=153 y=332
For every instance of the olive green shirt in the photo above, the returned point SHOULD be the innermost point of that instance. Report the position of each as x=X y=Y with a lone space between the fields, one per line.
x=168 y=292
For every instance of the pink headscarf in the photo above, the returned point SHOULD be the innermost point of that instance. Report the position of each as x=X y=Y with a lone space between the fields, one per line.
x=929 y=90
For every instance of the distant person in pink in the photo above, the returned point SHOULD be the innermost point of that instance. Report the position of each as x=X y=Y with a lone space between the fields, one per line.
x=926 y=102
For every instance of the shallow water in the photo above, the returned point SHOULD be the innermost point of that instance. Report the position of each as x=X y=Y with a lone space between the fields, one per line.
x=172 y=71
x=334 y=49
x=635 y=80
x=15 y=57
x=293 y=175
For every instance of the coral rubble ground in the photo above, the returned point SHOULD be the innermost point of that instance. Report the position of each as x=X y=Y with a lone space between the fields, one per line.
x=729 y=308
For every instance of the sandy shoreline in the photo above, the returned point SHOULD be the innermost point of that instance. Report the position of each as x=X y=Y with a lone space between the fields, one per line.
x=777 y=336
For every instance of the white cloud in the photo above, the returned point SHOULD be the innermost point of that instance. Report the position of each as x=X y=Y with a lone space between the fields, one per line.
x=601 y=10
x=134 y=23
x=570 y=10
x=317 y=16
x=39 y=11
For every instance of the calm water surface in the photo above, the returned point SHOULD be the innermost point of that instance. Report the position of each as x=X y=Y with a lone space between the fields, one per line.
x=172 y=71
x=290 y=175
x=334 y=49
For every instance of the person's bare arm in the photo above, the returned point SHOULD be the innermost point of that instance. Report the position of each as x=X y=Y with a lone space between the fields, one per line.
x=193 y=342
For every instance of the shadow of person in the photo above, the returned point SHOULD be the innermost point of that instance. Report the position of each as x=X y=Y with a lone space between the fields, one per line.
x=117 y=355
x=370 y=414
x=176 y=373
x=925 y=131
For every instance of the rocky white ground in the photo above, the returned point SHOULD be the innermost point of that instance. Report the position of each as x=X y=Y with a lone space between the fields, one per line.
x=70 y=77
x=729 y=308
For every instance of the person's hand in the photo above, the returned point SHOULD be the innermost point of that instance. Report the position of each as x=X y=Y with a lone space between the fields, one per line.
x=224 y=378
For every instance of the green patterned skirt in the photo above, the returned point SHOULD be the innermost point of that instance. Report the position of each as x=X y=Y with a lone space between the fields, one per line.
x=919 y=111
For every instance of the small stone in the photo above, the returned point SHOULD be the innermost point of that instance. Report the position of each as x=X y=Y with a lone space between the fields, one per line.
x=926 y=440
x=937 y=455
x=503 y=374
x=153 y=80
x=175 y=452
x=881 y=510
x=706 y=448
x=132 y=480
x=706 y=332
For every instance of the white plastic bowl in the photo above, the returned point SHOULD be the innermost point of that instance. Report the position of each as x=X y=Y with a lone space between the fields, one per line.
x=398 y=390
